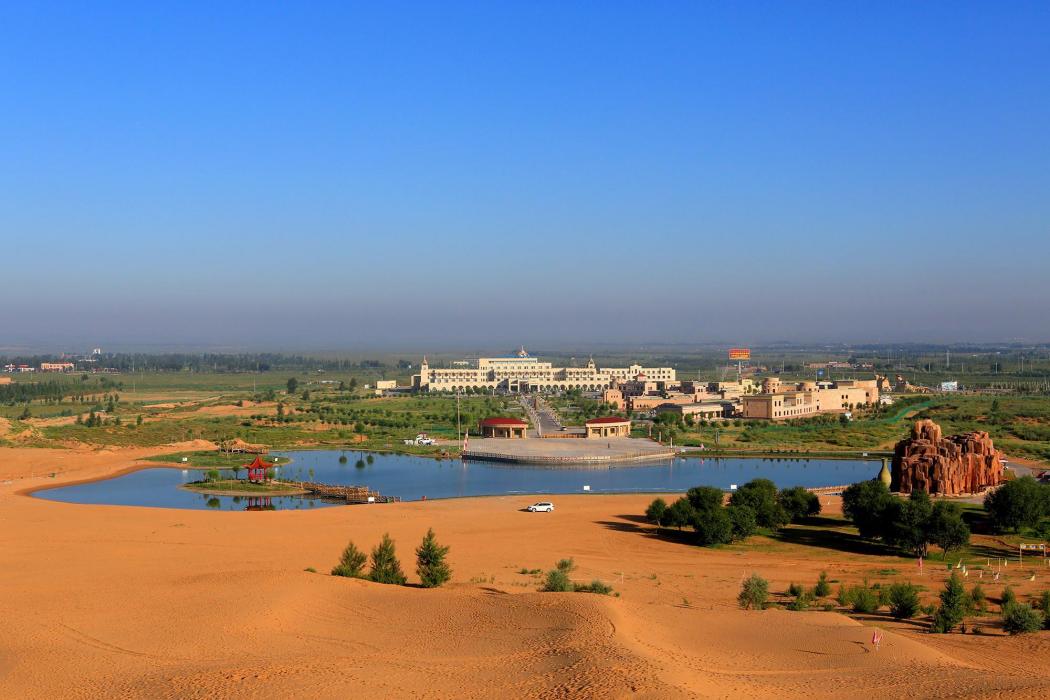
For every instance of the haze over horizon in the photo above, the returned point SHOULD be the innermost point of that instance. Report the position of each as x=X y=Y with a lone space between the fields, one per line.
x=456 y=175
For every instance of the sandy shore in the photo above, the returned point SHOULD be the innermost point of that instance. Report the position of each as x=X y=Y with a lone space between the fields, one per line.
x=101 y=601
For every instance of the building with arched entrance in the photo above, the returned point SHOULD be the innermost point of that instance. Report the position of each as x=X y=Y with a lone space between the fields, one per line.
x=608 y=426
x=501 y=427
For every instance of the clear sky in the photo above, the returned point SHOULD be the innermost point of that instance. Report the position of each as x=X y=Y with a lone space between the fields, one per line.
x=340 y=174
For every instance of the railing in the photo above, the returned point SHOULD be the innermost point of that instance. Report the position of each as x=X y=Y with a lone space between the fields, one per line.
x=351 y=494
x=581 y=459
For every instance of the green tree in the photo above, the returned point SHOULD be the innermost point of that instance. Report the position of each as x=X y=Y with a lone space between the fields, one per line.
x=753 y=593
x=742 y=520
x=953 y=608
x=431 y=566
x=351 y=563
x=946 y=528
x=1019 y=503
x=761 y=496
x=705 y=497
x=866 y=504
x=712 y=526
x=655 y=512
x=798 y=503
x=910 y=519
x=385 y=566
x=679 y=515
x=26 y=413
x=292 y=385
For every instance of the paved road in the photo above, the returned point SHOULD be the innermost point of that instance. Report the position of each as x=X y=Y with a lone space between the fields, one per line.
x=544 y=417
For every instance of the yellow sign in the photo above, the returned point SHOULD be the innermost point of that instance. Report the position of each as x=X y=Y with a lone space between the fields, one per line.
x=739 y=353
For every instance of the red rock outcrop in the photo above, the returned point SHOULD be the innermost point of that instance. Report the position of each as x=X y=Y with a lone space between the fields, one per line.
x=966 y=463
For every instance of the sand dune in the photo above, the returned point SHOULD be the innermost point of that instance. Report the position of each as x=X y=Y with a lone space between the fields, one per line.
x=137 y=602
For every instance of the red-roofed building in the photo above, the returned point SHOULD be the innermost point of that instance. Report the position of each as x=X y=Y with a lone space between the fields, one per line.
x=502 y=427
x=608 y=426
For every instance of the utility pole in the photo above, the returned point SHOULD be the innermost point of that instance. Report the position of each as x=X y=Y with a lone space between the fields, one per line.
x=459 y=436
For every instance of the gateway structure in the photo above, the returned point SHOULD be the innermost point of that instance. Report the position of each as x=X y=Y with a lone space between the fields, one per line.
x=522 y=372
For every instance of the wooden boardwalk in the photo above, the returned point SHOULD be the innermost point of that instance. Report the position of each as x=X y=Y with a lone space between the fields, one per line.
x=350 y=494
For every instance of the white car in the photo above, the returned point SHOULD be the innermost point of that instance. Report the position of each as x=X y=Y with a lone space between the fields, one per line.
x=542 y=507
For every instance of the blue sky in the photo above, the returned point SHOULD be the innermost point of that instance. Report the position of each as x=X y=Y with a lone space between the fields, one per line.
x=332 y=174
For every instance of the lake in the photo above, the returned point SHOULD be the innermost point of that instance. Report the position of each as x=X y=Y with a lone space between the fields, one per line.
x=412 y=477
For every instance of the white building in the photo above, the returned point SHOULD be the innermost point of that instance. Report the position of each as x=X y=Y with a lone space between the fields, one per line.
x=522 y=372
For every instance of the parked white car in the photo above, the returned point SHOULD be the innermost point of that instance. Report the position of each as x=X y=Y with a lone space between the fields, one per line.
x=542 y=507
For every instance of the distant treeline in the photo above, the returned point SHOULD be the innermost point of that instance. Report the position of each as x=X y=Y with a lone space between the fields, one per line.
x=52 y=391
x=208 y=362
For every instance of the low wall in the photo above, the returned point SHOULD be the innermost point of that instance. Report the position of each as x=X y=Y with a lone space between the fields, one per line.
x=567 y=460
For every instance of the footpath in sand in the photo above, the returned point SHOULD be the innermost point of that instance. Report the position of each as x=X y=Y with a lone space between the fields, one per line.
x=101 y=601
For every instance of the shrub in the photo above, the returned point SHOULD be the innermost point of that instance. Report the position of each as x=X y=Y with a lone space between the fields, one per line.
x=1044 y=604
x=596 y=586
x=978 y=600
x=753 y=593
x=903 y=600
x=1019 y=618
x=385 y=566
x=351 y=563
x=557 y=580
x=802 y=601
x=953 y=606
x=655 y=512
x=844 y=596
x=864 y=600
x=1007 y=598
x=794 y=589
x=823 y=588
x=431 y=566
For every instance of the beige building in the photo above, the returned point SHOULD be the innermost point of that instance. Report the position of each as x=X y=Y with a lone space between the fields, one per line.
x=608 y=426
x=808 y=398
x=698 y=411
x=523 y=373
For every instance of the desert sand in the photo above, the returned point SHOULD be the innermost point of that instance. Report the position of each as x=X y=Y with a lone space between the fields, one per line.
x=101 y=601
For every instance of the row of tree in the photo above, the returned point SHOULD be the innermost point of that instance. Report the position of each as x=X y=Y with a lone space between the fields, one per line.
x=909 y=525
x=384 y=566
x=756 y=504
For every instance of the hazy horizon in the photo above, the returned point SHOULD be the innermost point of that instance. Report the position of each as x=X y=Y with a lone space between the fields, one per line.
x=325 y=177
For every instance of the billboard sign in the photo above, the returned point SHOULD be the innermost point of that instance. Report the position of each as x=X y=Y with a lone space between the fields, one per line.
x=739 y=353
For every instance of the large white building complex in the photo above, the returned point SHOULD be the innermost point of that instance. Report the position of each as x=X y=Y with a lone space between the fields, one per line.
x=523 y=373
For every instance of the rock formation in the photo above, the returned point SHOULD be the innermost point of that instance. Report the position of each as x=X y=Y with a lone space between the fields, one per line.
x=966 y=463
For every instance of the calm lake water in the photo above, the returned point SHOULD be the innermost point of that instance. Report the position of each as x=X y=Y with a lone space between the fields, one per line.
x=412 y=478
